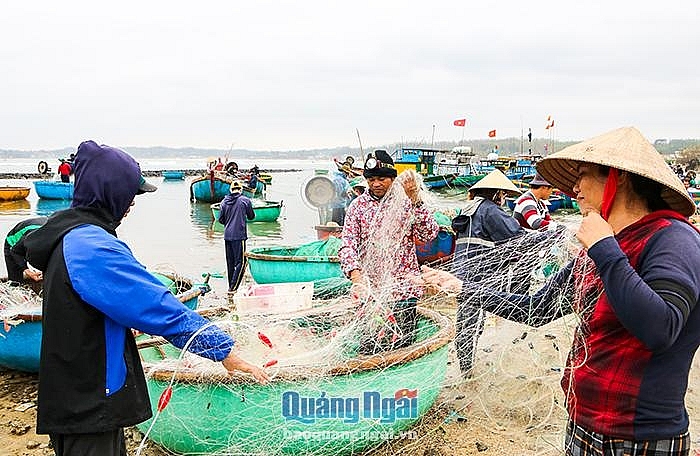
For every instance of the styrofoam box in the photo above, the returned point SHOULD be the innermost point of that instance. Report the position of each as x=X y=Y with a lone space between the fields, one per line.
x=274 y=297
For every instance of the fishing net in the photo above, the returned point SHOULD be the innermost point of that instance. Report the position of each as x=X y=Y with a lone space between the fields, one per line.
x=351 y=376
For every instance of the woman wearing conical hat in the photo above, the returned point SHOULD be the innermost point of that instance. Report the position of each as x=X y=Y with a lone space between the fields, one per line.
x=635 y=288
x=480 y=225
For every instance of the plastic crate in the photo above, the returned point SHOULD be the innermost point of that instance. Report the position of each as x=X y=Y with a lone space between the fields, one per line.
x=274 y=298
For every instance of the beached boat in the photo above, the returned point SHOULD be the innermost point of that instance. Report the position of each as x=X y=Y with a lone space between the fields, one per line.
x=56 y=190
x=285 y=264
x=20 y=336
x=173 y=175
x=13 y=193
x=342 y=409
x=265 y=211
x=210 y=188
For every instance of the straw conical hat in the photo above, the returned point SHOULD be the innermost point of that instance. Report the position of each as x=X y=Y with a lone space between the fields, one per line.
x=624 y=149
x=496 y=179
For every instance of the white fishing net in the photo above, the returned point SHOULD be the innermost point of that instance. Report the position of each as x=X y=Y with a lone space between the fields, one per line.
x=343 y=351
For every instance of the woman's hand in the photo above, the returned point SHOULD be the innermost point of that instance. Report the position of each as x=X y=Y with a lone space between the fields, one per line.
x=439 y=280
x=234 y=363
x=593 y=228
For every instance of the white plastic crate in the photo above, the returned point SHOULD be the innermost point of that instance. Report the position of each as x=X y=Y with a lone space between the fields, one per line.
x=274 y=298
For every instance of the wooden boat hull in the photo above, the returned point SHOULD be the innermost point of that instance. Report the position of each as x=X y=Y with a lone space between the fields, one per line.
x=54 y=190
x=173 y=175
x=267 y=211
x=229 y=415
x=278 y=264
x=13 y=193
x=20 y=347
x=210 y=189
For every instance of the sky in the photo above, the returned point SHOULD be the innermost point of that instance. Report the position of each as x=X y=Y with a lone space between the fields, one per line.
x=290 y=75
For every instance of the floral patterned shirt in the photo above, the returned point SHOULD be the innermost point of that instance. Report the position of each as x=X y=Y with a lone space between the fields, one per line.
x=379 y=239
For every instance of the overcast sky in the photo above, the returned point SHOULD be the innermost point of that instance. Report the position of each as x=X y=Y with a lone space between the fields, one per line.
x=281 y=75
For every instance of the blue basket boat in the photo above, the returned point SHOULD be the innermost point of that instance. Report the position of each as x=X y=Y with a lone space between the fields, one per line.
x=54 y=190
x=211 y=188
x=20 y=338
x=173 y=175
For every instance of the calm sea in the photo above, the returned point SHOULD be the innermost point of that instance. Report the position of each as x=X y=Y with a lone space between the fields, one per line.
x=166 y=231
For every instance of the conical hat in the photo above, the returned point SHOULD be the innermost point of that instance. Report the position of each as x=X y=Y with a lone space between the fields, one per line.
x=496 y=179
x=624 y=149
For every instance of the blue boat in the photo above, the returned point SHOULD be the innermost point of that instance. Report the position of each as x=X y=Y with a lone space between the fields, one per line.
x=210 y=188
x=173 y=175
x=20 y=337
x=47 y=189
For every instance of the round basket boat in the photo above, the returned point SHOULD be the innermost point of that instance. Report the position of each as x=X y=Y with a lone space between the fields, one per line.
x=20 y=337
x=337 y=410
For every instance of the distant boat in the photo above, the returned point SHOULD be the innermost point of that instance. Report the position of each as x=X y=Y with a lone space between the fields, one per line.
x=173 y=175
x=265 y=211
x=48 y=189
x=554 y=203
x=210 y=188
x=13 y=193
x=422 y=161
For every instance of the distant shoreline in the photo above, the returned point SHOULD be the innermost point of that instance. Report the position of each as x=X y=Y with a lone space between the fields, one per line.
x=151 y=173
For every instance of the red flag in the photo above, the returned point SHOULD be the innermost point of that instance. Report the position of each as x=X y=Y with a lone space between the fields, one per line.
x=550 y=123
x=492 y=134
x=460 y=122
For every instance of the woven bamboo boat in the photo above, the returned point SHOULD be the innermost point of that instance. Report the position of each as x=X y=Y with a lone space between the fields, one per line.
x=20 y=337
x=13 y=193
x=265 y=211
x=210 y=188
x=54 y=190
x=282 y=264
x=357 y=404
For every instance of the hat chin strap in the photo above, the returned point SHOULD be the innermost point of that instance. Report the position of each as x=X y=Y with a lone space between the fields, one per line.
x=609 y=194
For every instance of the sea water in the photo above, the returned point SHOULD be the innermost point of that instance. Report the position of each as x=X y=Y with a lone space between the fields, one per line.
x=166 y=231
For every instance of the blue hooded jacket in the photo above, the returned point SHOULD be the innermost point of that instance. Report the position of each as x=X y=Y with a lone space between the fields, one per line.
x=95 y=291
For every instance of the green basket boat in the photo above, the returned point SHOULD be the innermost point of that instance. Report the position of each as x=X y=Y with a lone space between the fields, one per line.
x=349 y=408
x=282 y=264
x=265 y=211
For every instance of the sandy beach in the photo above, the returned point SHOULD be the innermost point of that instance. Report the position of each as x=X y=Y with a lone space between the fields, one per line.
x=511 y=406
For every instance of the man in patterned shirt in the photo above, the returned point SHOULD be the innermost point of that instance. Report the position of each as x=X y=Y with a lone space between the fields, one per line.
x=530 y=208
x=378 y=251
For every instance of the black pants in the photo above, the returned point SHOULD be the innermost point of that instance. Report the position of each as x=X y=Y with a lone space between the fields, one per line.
x=391 y=336
x=109 y=443
x=235 y=263
x=65 y=178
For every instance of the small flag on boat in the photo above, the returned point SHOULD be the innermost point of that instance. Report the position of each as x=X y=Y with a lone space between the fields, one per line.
x=492 y=134
x=460 y=122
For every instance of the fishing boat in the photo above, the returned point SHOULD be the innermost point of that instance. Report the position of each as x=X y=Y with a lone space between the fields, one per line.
x=20 y=336
x=210 y=188
x=48 y=189
x=173 y=175
x=286 y=264
x=422 y=161
x=358 y=403
x=13 y=193
x=265 y=211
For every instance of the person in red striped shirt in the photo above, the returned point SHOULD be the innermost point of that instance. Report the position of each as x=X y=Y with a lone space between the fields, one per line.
x=531 y=207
